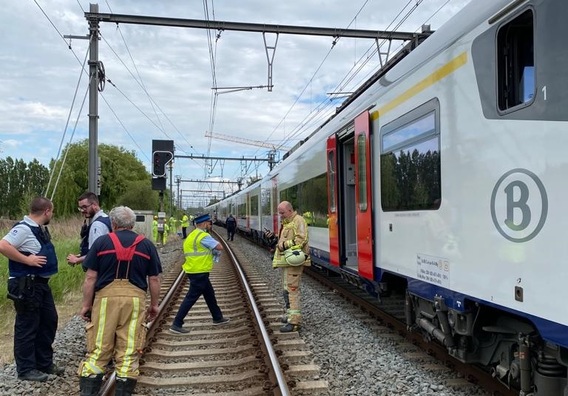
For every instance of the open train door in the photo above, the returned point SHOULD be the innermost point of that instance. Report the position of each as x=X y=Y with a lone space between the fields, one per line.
x=363 y=199
x=332 y=209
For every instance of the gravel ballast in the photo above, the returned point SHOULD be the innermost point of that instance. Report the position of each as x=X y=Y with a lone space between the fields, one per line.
x=354 y=356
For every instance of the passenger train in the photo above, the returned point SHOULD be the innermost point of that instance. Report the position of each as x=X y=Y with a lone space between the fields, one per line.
x=445 y=176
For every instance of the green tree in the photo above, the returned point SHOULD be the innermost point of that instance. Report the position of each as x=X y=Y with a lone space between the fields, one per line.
x=119 y=169
x=139 y=196
x=18 y=181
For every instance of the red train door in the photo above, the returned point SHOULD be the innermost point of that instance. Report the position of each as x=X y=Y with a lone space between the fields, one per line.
x=332 y=209
x=364 y=212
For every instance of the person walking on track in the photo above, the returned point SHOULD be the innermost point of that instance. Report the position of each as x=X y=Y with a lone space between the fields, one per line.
x=199 y=248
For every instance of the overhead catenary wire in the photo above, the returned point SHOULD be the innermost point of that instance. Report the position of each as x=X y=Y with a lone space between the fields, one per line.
x=140 y=82
x=319 y=114
x=362 y=60
x=214 y=95
x=68 y=148
x=106 y=101
x=65 y=132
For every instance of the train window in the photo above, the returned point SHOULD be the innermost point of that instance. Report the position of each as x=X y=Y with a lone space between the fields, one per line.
x=410 y=160
x=309 y=197
x=331 y=180
x=265 y=202
x=515 y=61
x=362 y=171
x=242 y=210
x=254 y=205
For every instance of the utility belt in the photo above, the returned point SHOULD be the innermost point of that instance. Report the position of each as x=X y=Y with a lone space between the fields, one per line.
x=21 y=290
x=35 y=279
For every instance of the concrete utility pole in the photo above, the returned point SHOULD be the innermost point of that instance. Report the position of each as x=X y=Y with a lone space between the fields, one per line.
x=93 y=99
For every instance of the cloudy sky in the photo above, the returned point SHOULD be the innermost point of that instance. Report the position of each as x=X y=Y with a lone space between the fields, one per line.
x=161 y=78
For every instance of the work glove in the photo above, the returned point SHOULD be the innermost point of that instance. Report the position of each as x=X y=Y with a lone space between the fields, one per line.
x=285 y=245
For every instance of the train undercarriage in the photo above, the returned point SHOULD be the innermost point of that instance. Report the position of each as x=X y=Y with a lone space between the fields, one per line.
x=503 y=344
x=508 y=346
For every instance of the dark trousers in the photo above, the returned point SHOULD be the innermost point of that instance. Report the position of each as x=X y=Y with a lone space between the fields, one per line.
x=230 y=233
x=199 y=285
x=34 y=329
x=184 y=232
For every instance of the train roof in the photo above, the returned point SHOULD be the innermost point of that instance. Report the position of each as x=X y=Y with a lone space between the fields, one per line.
x=474 y=14
x=408 y=59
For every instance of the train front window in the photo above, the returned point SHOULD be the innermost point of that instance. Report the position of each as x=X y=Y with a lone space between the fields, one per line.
x=515 y=62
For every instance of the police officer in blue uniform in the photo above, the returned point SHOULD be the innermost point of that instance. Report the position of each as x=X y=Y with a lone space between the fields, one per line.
x=31 y=262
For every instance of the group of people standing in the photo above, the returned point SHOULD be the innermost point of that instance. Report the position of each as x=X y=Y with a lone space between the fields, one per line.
x=121 y=267
x=114 y=293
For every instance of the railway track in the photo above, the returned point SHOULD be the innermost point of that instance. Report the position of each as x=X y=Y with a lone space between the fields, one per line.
x=247 y=356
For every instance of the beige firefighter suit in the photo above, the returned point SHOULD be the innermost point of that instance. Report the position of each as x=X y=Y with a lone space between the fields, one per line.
x=293 y=233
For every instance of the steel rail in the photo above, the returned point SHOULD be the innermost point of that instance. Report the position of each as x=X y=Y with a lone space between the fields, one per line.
x=274 y=362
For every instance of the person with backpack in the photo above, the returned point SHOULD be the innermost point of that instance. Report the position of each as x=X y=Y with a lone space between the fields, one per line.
x=121 y=267
x=96 y=224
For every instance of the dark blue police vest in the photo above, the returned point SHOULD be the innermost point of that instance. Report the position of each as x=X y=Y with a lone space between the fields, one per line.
x=84 y=246
x=17 y=269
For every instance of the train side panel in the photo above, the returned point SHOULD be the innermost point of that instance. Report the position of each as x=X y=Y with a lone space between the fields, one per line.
x=494 y=237
x=468 y=173
x=307 y=164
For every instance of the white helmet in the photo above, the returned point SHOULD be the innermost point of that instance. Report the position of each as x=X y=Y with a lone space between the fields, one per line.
x=295 y=257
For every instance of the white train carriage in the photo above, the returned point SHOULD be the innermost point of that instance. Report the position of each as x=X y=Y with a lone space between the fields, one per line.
x=444 y=179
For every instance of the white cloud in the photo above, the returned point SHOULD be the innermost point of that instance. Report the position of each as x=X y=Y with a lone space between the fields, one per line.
x=40 y=73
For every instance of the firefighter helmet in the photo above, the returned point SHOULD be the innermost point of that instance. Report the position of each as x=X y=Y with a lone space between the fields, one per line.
x=295 y=257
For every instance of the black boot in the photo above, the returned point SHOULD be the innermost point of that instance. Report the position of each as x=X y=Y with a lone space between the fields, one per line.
x=90 y=386
x=124 y=386
x=284 y=318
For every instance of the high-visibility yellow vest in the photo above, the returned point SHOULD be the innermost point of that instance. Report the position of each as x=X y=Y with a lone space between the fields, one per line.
x=198 y=259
